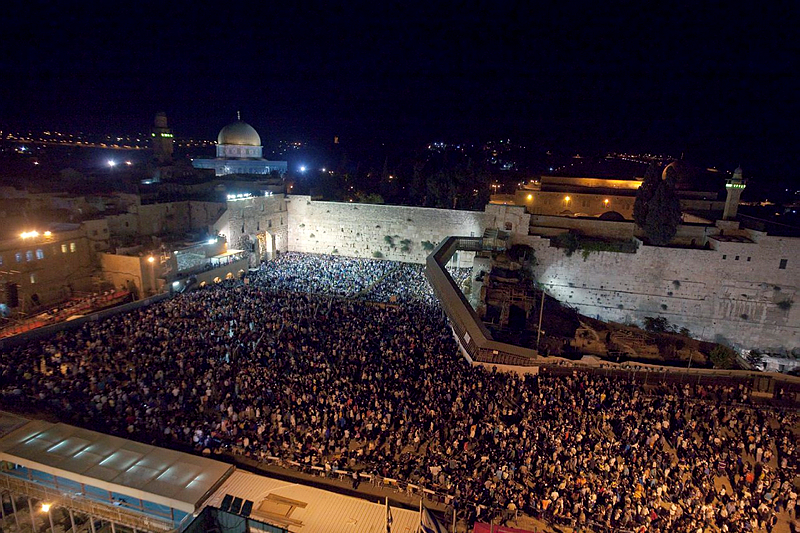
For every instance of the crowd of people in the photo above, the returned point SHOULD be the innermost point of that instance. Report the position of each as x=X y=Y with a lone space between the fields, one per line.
x=373 y=280
x=407 y=284
x=332 y=275
x=275 y=367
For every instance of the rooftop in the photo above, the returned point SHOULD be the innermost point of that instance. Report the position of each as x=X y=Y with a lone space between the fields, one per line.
x=310 y=510
x=176 y=479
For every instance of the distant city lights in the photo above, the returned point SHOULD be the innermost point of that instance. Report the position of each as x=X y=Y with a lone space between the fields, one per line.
x=242 y=196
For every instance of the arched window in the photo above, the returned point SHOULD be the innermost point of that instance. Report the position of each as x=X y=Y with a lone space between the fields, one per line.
x=39 y=254
x=29 y=255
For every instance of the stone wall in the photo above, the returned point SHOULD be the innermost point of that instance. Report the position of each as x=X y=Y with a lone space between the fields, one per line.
x=361 y=230
x=550 y=226
x=259 y=224
x=167 y=217
x=730 y=293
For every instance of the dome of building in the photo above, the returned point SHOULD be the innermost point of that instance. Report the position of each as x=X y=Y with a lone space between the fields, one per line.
x=239 y=133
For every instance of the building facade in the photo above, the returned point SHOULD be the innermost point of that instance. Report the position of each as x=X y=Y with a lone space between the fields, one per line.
x=239 y=151
x=41 y=267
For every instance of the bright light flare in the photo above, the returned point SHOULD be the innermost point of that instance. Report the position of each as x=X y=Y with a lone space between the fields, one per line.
x=45 y=507
x=302 y=168
x=112 y=163
x=29 y=234
x=151 y=259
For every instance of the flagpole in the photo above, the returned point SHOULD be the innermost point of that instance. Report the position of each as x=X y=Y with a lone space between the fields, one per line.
x=420 y=513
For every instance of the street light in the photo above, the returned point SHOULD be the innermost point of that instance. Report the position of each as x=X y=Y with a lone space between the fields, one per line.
x=46 y=507
x=151 y=259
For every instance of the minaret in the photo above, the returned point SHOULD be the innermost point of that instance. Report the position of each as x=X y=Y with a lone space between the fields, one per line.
x=161 y=140
x=734 y=187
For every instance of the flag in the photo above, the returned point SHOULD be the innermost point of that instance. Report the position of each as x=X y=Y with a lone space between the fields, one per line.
x=429 y=523
x=388 y=517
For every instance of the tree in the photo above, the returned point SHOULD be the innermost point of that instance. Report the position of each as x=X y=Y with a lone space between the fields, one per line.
x=371 y=198
x=723 y=357
x=663 y=213
x=656 y=325
x=645 y=193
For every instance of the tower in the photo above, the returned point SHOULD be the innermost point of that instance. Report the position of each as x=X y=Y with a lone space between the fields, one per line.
x=734 y=187
x=162 y=140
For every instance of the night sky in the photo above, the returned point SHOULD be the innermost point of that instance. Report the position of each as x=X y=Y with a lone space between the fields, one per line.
x=719 y=84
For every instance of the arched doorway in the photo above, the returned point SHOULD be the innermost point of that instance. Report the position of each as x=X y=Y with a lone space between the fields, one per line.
x=266 y=245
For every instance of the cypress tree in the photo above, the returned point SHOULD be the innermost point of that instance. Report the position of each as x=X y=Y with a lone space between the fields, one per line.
x=645 y=193
x=664 y=213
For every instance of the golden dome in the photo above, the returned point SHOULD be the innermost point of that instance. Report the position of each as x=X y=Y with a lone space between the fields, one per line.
x=239 y=133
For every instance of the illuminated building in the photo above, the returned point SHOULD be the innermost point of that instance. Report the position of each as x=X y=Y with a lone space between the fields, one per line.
x=41 y=267
x=734 y=187
x=239 y=151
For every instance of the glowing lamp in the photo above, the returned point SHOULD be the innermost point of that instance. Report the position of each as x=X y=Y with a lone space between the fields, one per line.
x=151 y=259
x=45 y=507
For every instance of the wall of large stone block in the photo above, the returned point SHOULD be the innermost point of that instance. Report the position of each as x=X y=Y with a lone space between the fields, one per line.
x=550 y=226
x=730 y=293
x=245 y=219
x=361 y=230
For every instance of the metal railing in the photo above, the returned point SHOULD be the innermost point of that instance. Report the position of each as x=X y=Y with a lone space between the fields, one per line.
x=99 y=510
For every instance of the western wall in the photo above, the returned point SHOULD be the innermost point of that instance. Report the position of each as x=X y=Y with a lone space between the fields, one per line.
x=398 y=233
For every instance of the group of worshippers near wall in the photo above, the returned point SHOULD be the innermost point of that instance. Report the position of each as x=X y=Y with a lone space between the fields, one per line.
x=278 y=367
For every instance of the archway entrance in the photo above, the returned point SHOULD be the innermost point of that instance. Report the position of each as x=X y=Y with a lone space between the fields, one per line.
x=266 y=246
